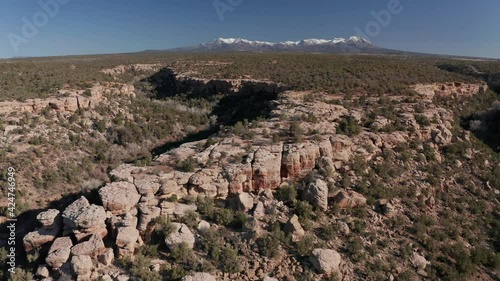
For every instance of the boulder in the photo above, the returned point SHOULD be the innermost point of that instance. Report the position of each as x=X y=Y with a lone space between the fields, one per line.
x=81 y=265
x=49 y=219
x=71 y=212
x=181 y=234
x=147 y=184
x=294 y=227
x=245 y=201
x=38 y=238
x=127 y=237
x=93 y=247
x=325 y=260
x=119 y=197
x=59 y=252
x=203 y=225
x=106 y=257
x=384 y=207
x=199 y=276
x=317 y=194
x=418 y=261
x=349 y=199
x=42 y=271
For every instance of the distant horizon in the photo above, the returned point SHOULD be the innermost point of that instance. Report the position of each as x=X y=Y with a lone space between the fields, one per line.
x=44 y=28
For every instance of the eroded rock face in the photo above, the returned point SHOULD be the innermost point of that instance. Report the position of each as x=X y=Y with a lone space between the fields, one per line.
x=181 y=234
x=325 y=260
x=299 y=159
x=267 y=167
x=82 y=219
x=119 y=197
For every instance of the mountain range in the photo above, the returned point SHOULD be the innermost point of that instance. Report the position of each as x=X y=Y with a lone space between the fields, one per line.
x=353 y=44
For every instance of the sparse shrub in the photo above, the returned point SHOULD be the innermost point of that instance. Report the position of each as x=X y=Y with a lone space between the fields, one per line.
x=287 y=194
x=305 y=245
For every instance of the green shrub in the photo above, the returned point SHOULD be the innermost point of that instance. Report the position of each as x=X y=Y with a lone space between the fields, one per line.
x=287 y=194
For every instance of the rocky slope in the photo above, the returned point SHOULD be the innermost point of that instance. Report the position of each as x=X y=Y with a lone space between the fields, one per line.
x=312 y=143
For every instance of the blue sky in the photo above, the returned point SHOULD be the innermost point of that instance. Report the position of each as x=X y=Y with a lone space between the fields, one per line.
x=459 y=27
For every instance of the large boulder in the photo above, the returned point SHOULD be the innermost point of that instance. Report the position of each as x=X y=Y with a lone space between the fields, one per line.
x=317 y=194
x=83 y=220
x=199 y=276
x=39 y=237
x=209 y=182
x=181 y=234
x=245 y=201
x=93 y=247
x=349 y=199
x=49 y=219
x=119 y=197
x=59 y=252
x=82 y=265
x=325 y=260
x=147 y=184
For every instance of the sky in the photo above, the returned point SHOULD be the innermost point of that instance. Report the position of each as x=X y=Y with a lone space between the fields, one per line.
x=72 y=27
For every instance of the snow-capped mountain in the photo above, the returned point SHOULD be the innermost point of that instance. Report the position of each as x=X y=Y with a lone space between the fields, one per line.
x=354 y=44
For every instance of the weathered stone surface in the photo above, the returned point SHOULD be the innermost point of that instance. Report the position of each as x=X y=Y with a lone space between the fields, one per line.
x=349 y=199
x=146 y=215
x=325 y=260
x=147 y=184
x=119 y=197
x=418 y=261
x=317 y=194
x=181 y=234
x=93 y=247
x=81 y=265
x=341 y=146
x=294 y=227
x=49 y=219
x=72 y=212
x=127 y=237
x=267 y=167
x=59 y=252
x=245 y=201
x=299 y=159
x=106 y=257
x=209 y=182
x=42 y=271
x=176 y=209
x=124 y=173
x=38 y=238
x=203 y=225
x=199 y=276
x=384 y=207
x=441 y=135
